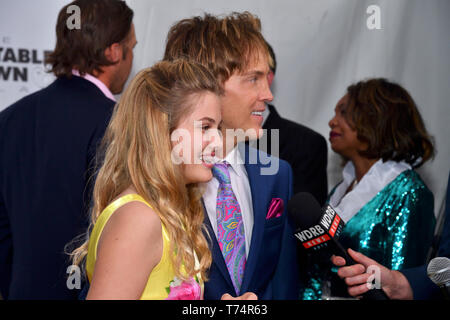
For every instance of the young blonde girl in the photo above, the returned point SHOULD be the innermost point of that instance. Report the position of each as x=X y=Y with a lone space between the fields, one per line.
x=146 y=239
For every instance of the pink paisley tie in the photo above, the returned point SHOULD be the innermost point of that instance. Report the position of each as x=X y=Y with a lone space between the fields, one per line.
x=230 y=228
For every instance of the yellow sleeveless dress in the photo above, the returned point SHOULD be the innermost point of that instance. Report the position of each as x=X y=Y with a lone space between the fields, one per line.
x=162 y=283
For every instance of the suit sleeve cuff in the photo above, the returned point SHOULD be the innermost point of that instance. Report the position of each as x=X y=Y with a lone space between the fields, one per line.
x=423 y=288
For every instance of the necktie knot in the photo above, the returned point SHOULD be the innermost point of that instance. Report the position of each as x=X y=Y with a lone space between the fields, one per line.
x=221 y=173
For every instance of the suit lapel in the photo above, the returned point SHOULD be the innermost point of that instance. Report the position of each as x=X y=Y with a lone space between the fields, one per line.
x=259 y=204
x=217 y=255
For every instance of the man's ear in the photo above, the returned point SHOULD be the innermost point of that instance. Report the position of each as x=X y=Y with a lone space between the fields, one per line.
x=270 y=77
x=114 y=52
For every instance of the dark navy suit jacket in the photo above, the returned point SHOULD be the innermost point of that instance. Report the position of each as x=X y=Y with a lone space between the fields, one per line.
x=305 y=150
x=271 y=269
x=423 y=288
x=47 y=143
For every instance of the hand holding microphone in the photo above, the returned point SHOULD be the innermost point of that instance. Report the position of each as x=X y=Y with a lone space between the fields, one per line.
x=394 y=283
x=319 y=229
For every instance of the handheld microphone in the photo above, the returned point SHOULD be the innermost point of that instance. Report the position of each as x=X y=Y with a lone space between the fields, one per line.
x=318 y=229
x=438 y=271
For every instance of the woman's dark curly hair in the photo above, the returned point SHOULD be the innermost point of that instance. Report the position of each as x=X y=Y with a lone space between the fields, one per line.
x=385 y=117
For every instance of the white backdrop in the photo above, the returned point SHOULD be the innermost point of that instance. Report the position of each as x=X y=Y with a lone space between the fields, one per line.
x=322 y=46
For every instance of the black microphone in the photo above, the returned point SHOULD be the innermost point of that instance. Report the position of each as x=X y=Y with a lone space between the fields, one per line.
x=318 y=229
x=438 y=271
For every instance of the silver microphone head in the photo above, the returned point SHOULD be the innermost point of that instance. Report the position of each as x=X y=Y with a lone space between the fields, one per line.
x=438 y=271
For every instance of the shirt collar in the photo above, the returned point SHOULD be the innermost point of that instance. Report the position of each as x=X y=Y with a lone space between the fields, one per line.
x=235 y=160
x=98 y=83
x=379 y=176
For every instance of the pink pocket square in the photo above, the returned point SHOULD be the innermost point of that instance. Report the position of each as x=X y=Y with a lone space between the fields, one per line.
x=276 y=208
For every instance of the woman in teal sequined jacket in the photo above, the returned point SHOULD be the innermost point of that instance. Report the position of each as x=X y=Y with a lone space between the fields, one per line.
x=387 y=208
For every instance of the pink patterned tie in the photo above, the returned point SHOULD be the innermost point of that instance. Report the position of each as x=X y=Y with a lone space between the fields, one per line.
x=230 y=228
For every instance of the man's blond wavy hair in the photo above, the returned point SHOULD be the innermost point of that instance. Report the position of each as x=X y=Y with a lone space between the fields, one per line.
x=224 y=44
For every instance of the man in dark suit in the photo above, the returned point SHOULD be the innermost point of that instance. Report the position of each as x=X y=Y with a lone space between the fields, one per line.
x=48 y=141
x=404 y=284
x=303 y=148
x=259 y=253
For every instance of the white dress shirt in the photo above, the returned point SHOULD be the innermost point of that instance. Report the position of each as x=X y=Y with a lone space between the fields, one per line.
x=242 y=191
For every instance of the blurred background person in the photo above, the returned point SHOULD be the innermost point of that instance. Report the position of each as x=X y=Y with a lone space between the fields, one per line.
x=303 y=148
x=146 y=240
x=387 y=208
x=47 y=145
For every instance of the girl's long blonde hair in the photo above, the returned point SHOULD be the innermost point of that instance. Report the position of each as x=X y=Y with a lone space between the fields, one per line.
x=136 y=151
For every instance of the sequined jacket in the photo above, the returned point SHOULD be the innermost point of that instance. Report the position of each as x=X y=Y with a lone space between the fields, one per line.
x=395 y=228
